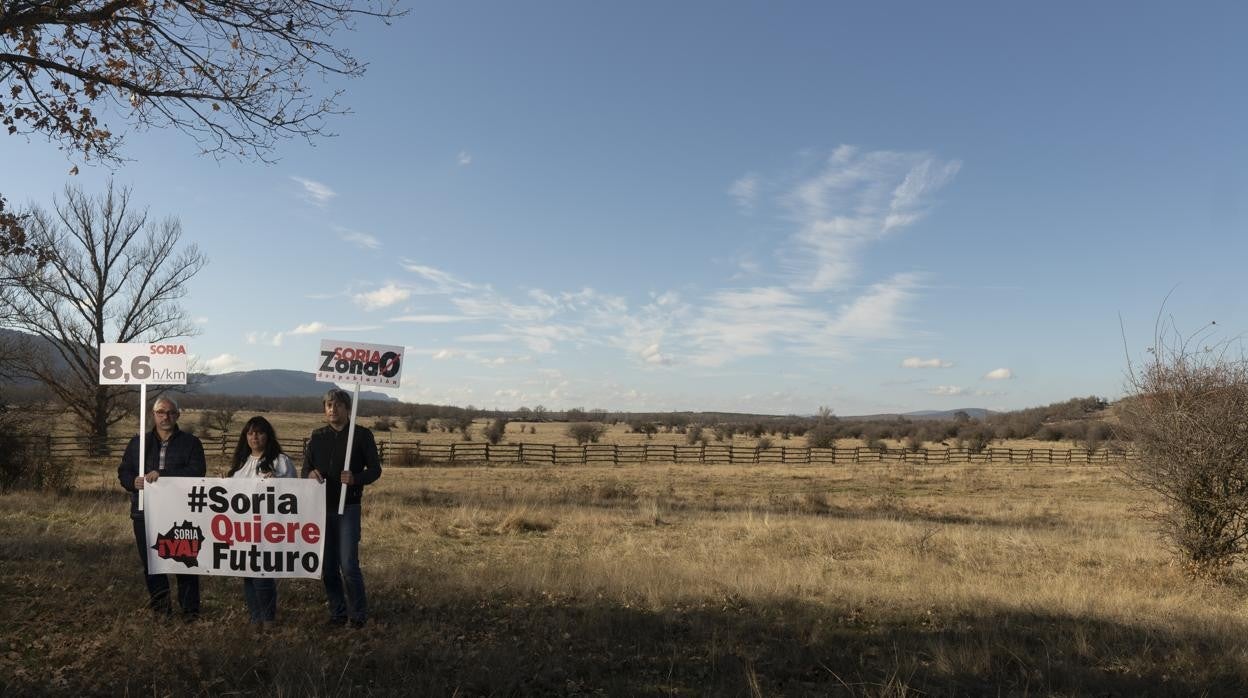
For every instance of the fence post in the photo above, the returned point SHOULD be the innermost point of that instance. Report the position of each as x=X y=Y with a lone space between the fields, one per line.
x=615 y=454
x=487 y=451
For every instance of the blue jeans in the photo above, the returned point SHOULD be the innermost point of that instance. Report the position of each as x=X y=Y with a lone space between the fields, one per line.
x=158 y=584
x=261 y=596
x=342 y=565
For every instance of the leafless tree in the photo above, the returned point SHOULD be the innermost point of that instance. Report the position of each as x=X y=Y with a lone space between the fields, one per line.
x=114 y=275
x=1187 y=414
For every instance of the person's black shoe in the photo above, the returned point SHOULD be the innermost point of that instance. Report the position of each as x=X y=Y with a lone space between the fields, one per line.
x=357 y=623
x=190 y=616
x=336 y=622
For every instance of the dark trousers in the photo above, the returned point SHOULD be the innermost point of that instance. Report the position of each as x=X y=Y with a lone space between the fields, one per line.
x=344 y=581
x=158 y=584
x=261 y=596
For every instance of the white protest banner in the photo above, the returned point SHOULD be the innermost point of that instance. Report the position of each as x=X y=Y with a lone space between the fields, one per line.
x=142 y=363
x=236 y=527
x=356 y=362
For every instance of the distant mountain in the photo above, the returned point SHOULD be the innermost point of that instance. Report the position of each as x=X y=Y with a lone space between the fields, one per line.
x=973 y=412
x=272 y=382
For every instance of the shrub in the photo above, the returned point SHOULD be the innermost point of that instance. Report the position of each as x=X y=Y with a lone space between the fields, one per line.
x=25 y=460
x=494 y=433
x=975 y=437
x=383 y=424
x=764 y=443
x=693 y=434
x=586 y=432
x=220 y=419
x=913 y=443
x=822 y=436
x=416 y=424
x=1185 y=414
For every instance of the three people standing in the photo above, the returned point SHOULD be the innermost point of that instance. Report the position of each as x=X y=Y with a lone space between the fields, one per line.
x=175 y=453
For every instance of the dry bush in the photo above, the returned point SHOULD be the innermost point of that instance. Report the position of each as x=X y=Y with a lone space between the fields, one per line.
x=524 y=520
x=586 y=432
x=25 y=460
x=614 y=491
x=1186 y=414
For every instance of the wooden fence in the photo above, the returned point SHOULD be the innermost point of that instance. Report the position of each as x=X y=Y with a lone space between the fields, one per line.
x=416 y=453
x=396 y=452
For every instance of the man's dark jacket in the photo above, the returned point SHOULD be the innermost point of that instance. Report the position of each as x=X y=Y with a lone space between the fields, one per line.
x=327 y=451
x=184 y=457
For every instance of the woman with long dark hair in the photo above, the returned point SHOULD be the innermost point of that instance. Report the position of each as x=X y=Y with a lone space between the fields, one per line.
x=259 y=454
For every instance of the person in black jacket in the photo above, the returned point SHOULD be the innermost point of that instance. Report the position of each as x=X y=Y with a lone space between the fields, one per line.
x=171 y=452
x=325 y=455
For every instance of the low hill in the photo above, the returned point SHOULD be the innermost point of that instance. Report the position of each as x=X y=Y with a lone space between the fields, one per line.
x=272 y=382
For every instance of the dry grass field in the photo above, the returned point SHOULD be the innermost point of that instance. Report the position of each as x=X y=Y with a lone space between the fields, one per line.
x=655 y=580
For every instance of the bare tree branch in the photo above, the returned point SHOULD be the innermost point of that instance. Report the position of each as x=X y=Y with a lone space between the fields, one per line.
x=113 y=276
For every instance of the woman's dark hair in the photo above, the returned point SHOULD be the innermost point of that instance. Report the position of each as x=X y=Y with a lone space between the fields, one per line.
x=272 y=449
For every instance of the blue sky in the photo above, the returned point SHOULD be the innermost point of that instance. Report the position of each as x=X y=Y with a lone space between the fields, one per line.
x=761 y=207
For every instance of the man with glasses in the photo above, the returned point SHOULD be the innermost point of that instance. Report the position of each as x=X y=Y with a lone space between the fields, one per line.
x=171 y=452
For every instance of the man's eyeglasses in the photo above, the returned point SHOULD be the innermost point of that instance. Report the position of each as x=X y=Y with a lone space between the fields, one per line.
x=167 y=413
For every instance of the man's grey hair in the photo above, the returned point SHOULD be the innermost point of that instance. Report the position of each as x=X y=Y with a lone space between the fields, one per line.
x=172 y=403
x=339 y=396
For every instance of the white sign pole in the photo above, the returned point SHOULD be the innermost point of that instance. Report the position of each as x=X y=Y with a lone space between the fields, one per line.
x=142 y=429
x=346 y=464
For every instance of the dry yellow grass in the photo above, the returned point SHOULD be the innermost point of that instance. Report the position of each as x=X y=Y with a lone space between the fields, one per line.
x=673 y=580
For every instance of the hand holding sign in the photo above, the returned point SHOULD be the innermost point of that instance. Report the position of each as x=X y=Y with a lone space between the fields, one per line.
x=356 y=362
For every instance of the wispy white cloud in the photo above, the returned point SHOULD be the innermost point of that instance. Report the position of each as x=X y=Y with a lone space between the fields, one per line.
x=225 y=363
x=441 y=281
x=856 y=198
x=947 y=390
x=315 y=192
x=384 y=297
x=355 y=237
x=489 y=337
x=318 y=327
x=310 y=328
x=745 y=191
x=269 y=338
x=916 y=362
x=876 y=314
x=464 y=158
x=999 y=374
x=808 y=308
x=429 y=319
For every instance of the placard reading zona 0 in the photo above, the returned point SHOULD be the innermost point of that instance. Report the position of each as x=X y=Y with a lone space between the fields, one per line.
x=351 y=362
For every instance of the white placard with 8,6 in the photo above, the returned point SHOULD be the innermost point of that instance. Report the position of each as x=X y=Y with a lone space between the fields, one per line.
x=135 y=364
